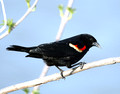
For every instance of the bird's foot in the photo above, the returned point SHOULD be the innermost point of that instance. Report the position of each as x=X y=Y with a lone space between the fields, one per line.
x=82 y=65
x=62 y=74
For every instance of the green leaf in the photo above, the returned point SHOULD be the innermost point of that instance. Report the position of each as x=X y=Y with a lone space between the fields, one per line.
x=26 y=90
x=28 y=3
x=10 y=24
x=36 y=92
x=72 y=11
x=60 y=7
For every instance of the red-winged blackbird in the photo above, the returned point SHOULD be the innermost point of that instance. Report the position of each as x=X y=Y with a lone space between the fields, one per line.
x=66 y=52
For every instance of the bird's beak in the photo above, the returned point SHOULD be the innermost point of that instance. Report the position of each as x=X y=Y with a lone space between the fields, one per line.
x=96 y=44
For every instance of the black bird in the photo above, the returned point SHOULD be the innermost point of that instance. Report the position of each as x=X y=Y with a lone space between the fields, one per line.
x=65 y=52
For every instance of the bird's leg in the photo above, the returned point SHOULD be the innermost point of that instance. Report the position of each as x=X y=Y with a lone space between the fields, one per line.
x=80 y=63
x=61 y=72
x=74 y=65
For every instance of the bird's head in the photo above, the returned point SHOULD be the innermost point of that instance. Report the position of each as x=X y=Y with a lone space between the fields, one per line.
x=89 y=40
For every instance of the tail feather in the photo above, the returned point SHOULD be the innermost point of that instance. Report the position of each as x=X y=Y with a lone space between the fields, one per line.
x=34 y=55
x=20 y=48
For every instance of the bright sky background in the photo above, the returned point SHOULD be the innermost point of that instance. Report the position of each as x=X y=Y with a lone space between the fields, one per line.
x=100 y=18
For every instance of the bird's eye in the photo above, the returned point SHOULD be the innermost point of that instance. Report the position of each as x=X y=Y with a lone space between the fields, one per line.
x=91 y=39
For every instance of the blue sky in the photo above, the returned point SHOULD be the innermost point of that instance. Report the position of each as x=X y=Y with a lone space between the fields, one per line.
x=100 y=18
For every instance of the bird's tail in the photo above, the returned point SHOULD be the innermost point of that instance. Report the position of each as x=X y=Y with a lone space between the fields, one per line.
x=19 y=48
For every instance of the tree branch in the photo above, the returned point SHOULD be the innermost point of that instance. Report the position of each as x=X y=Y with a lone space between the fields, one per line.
x=4 y=16
x=64 y=20
x=57 y=76
x=21 y=19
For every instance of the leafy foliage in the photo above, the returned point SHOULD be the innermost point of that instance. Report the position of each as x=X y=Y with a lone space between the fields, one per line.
x=10 y=24
x=28 y=4
x=36 y=92
x=60 y=7
x=72 y=11
x=26 y=90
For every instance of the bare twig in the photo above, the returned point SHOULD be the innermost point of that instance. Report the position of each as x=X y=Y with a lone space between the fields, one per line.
x=21 y=19
x=4 y=16
x=57 y=76
x=27 y=13
x=64 y=20
x=4 y=34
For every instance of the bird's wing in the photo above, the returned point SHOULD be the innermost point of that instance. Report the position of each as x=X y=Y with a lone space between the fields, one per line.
x=56 y=49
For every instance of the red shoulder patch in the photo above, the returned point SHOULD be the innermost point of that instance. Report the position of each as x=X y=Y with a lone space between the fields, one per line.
x=83 y=48
x=77 y=48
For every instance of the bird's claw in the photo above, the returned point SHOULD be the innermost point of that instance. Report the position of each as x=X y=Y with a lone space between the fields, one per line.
x=62 y=75
x=82 y=65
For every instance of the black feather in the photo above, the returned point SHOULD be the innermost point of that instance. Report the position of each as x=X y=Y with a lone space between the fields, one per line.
x=66 y=52
x=20 y=48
